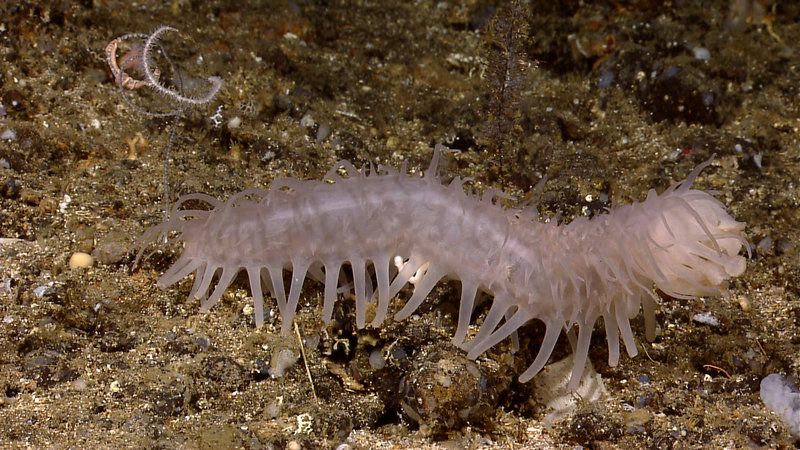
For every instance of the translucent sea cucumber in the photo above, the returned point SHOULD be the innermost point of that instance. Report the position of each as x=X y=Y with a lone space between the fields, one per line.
x=393 y=229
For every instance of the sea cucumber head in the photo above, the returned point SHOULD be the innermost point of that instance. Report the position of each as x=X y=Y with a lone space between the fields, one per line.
x=695 y=245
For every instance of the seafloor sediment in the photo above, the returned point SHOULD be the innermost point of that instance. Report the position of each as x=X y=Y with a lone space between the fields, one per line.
x=607 y=99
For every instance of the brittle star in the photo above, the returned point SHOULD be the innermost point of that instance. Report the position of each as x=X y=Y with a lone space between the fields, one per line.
x=131 y=58
x=139 y=56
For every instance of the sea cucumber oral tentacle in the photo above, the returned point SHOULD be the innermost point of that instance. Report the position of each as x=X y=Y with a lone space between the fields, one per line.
x=386 y=230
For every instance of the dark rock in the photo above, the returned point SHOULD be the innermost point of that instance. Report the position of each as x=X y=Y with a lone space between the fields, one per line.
x=444 y=390
x=229 y=375
x=112 y=249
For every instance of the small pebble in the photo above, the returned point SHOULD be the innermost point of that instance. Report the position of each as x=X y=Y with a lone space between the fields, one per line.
x=606 y=79
x=757 y=159
x=204 y=343
x=784 y=245
x=701 y=53
x=744 y=303
x=376 y=360
x=42 y=291
x=323 y=132
x=111 y=250
x=765 y=244
x=80 y=260
x=8 y=135
x=307 y=121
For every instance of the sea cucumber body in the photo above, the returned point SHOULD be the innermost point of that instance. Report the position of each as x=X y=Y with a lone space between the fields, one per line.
x=412 y=229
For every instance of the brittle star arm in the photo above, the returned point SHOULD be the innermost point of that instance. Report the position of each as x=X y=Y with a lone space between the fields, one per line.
x=120 y=77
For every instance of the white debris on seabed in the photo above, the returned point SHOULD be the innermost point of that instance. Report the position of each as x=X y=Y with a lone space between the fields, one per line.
x=8 y=135
x=764 y=245
x=757 y=159
x=551 y=389
x=5 y=286
x=282 y=360
x=780 y=395
x=234 y=122
x=706 y=319
x=304 y=424
x=44 y=290
x=62 y=206
x=701 y=53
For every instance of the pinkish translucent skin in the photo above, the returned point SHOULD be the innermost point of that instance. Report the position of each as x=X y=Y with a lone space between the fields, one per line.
x=412 y=229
